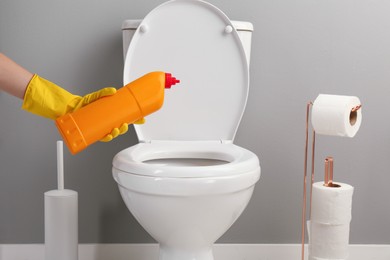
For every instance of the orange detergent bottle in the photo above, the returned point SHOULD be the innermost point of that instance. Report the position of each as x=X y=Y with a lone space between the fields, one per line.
x=130 y=103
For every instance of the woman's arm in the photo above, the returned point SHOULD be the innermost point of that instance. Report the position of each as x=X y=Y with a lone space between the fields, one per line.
x=45 y=98
x=13 y=78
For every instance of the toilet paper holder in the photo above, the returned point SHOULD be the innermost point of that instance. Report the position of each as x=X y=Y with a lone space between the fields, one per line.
x=328 y=180
x=353 y=114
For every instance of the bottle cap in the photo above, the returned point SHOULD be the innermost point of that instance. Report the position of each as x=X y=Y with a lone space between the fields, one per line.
x=170 y=81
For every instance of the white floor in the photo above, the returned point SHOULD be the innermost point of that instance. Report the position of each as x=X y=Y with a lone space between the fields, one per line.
x=221 y=252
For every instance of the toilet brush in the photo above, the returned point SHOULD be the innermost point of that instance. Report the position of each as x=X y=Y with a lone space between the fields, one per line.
x=61 y=218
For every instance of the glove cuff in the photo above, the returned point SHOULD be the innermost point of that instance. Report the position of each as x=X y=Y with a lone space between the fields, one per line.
x=45 y=98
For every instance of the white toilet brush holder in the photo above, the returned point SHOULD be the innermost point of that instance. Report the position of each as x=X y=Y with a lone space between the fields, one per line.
x=61 y=218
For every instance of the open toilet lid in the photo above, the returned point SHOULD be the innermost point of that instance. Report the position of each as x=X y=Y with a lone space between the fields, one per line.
x=192 y=40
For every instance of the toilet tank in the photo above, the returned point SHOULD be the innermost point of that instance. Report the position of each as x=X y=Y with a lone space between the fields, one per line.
x=244 y=30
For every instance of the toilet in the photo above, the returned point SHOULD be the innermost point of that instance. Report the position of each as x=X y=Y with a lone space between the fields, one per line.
x=186 y=182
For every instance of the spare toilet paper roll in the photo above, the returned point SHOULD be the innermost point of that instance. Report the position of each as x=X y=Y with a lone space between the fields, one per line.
x=331 y=205
x=328 y=241
x=330 y=221
x=333 y=115
x=61 y=225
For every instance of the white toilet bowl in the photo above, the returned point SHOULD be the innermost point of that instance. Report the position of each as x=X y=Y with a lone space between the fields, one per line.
x=186 y=195
x=186 y=182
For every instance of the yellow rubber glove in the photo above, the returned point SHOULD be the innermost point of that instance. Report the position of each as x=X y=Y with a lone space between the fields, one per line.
x=140 y=121
x=46 y=99
x=115 y=132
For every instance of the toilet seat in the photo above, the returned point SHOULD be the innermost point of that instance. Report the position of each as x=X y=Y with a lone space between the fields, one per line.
x=237 y=160
x=132 y=171
x=198 y=44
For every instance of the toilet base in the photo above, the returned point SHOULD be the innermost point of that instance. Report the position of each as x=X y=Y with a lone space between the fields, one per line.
x=171 y=253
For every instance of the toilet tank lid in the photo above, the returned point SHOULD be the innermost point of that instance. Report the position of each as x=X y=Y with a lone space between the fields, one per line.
x=131 y=24
x=238 y=25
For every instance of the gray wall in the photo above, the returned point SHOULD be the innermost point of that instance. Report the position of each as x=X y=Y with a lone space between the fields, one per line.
x=300 y=48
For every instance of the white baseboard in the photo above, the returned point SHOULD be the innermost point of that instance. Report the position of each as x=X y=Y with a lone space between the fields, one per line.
x=221 y=252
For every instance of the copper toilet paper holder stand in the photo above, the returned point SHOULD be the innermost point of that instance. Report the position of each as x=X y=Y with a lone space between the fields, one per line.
x=328 y=180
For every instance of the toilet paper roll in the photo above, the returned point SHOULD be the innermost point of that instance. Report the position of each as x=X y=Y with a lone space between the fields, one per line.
x=332 y=115
x=328 y=241
x=331 y=205
x=61 y=225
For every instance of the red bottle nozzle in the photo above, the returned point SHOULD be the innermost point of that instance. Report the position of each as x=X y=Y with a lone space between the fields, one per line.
x=170 y=81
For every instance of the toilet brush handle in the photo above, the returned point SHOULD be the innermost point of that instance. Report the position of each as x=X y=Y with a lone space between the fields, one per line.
x=60 y=165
